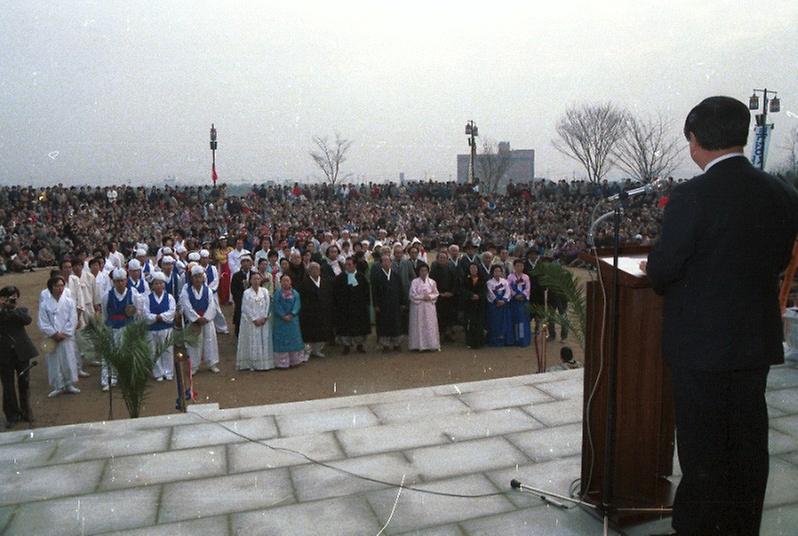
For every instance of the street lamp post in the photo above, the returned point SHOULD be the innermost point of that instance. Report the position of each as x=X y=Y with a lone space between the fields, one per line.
x=472 y=132
x=762 y=126
x=214 y=145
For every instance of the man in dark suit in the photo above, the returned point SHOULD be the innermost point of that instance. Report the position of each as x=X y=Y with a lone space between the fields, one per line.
x=16 y=350
x=726 y=236
x=238 y=284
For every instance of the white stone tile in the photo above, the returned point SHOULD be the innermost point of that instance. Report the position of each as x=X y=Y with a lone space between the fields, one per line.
x=29 y=454
x=482 y=385
x=313 y=482
x=443 y=530
x=554 y=476
x=38 y=483
x=520 y=395
x=486 y=424
x=537 y=521
x=345 y=516
x=782 y=377
x=416 y=510
x=549 y=443
x=169 y=466
x=557 y=413
x=465 y=457
x=87 y=514
x=294 y=424
x=780 y=521
x=211 y=433
x=779 y=442
x=788 y=425
x=782 y=488
x=435 y=430
x=785 y=400
x=415 y=408
x=385 y=438
x=773 y=413
x=109 y=444
x=207 y=526
x=5 y=516
x=253 y=456
x=225 y=494
x=565 y=389
x=791 y=457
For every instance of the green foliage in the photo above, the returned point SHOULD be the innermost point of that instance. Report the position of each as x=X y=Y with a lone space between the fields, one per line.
x=132 y=357
x=562 y=284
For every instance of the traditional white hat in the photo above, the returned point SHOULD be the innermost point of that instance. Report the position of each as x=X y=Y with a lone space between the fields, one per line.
x=194 y=256
x=245 y=252
x=180 y=249
x=166 y=250
x=204 y=253
x=197 y=270
x=167 y=259
x=365 y=242
x=118 y=274
x=134 y=264
x=141 y=253
x=159 y=276
x=246 y=256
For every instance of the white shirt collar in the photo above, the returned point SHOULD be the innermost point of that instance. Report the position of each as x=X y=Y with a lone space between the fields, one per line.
x=721 y=159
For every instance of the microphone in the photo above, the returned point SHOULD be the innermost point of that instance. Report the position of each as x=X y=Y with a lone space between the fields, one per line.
x=27 y=369
x=515 y=484
x=654 y=186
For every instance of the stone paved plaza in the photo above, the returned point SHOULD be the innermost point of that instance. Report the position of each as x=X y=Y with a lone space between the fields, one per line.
x=188 y=475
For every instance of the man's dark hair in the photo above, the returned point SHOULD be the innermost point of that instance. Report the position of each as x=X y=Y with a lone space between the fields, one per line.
x=10 y=290
x=718 y=123
x=566 y=354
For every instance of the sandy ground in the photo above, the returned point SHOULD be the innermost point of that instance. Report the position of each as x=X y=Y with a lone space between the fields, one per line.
x=334 y=375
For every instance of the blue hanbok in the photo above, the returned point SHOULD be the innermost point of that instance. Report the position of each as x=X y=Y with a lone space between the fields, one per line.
x=519 y=308
x=500 y=322
x=289 y=348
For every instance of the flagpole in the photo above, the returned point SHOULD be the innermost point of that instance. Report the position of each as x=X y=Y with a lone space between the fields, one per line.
x=214 y=144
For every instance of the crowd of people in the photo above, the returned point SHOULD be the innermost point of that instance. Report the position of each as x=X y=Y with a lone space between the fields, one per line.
x=40 y=226
x=306 y=266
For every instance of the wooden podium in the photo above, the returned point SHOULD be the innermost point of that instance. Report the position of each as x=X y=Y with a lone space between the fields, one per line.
x=644 y=424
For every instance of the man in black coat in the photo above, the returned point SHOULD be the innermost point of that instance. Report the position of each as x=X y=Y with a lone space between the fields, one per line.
x=351 y=306
x=388 y=297
x=447 y=279
x=315 y=294
x=16 y=350
x=238 y=284
x=726 y=236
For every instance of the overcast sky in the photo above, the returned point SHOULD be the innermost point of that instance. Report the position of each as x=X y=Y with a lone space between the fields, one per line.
x=121 y=90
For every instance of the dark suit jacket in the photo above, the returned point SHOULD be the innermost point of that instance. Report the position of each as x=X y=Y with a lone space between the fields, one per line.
x=726 y=236
x=238 y=284
x=15 y=345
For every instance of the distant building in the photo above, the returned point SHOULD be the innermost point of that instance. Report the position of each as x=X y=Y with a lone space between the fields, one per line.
x=522 y=165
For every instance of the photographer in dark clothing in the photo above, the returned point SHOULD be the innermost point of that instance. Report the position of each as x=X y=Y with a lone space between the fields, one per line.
x=16 y=350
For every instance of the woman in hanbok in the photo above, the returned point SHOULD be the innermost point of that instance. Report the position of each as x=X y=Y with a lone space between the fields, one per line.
x=520 y=287
x=58 y=319
x=474 y=307
x=423 y=325
x=289 y=348
x=500 y=322
x=225 y=277
x=255 y=334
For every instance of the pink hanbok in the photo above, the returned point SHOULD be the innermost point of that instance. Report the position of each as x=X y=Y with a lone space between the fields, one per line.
x=423 y=326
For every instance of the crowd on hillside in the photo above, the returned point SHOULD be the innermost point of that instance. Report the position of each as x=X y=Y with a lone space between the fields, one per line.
x=40 y=226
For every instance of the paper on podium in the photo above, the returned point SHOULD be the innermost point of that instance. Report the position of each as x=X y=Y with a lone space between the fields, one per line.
x=629 y=264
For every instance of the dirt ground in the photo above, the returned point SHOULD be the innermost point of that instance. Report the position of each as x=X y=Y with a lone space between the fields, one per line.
x=334 y=375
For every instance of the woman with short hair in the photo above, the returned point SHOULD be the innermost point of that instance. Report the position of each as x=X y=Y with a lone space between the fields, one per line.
x=58 y=320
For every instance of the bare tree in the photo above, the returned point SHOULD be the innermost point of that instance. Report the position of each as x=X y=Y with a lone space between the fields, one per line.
x=329 y=157
x=588 y=134
x=647 y=148
x=493 y=164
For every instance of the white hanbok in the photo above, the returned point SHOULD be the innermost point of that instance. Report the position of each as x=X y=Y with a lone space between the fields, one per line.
x=207 y=348
x=59 y=316
x=255 y=342
x=163 y=367
x=219 y=321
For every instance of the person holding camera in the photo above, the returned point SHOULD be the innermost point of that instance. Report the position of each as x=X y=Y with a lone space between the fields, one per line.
x=16 y=350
